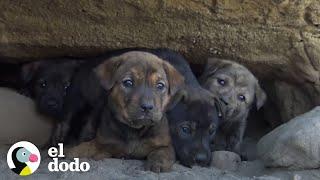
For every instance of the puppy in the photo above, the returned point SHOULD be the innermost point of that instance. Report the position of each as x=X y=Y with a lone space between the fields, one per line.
x=194 y=117
x=83 y=104
x=239 y=90
x=47 y=82
x=193 y=125
x=82 y=107
x=138 y=88
x=194 y=113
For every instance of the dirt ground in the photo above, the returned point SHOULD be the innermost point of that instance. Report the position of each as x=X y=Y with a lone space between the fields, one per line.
x=133 y=169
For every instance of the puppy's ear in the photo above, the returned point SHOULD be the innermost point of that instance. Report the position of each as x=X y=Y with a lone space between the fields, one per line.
x=180 y=96
x=29 y=70
x=105 y=72
x=260 y=96
x=212 y=66
x=175 y=78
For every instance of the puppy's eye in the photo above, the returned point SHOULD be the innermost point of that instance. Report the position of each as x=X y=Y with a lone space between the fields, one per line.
x=127 y=83
x=186 y=129
x=43 y=84
x=221 y=82
x=242 y=98
x=160 y=86
x=66 y=85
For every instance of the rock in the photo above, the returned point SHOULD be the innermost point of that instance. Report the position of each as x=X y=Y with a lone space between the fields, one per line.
x=276 y=39
x=225 y=160
x=293 y=145
x=20 y=121
x=313 y=13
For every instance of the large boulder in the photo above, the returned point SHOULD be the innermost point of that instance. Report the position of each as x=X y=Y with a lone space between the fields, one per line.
x=20 y=121
x=293 y=145
x=276 y=39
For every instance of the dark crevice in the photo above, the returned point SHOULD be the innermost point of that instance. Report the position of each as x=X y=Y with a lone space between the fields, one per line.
x=10 y=75
x=257 y=121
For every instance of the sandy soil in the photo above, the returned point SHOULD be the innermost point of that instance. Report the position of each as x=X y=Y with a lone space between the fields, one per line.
x=133 y=169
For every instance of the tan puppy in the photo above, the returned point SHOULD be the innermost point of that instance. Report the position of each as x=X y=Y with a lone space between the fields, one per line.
x=139 y=87
x=237 y=87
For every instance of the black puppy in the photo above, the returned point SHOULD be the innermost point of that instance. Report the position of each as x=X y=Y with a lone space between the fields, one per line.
x=195 y=117
x=82 y=106
x=47 y=82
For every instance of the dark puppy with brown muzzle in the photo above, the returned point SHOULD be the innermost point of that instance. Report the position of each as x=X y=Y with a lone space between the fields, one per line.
x=47 y=82
x=193 y=125
x=138 y=88
x=239 y=89
x=194 y=117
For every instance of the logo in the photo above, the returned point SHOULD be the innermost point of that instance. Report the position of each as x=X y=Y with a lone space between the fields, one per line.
x=23 y=158
x=56 y=165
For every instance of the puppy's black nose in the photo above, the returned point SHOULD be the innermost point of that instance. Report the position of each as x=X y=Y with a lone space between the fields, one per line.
x=202 y=158
x=146 y=107
x=52 y=103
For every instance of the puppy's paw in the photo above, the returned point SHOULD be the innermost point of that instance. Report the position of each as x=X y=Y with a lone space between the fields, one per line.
x=101 y=155
x=233 y=144
x=75 y=152
x=87 y=136
x=160 y=160
x=157 y=167
x=83 y=150
x=58 y=135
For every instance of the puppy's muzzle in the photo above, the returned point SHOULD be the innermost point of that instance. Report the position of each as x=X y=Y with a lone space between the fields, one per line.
x=52 y=104
x=202 y=159
x=146 y=107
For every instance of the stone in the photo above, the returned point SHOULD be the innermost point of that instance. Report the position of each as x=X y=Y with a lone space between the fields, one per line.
x=225 y=160
x=20 y=121
x=275 y=39
x=293 y=145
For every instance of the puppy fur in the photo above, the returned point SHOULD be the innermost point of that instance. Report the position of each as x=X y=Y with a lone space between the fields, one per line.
x=239 y=90
x=192 y=114
x=47 y=82
x=193 y=125
x=82 y=108
x=137 y=89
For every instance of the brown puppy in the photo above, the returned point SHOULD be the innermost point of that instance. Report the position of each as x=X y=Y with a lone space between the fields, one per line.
x=133 y=124
x=237 y=87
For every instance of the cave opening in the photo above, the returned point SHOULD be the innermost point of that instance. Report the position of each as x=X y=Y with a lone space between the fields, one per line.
x=259 y=122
